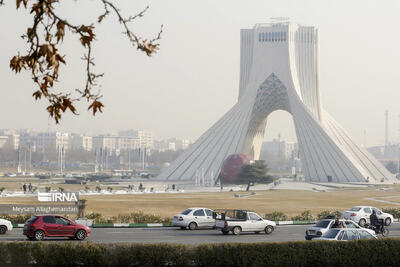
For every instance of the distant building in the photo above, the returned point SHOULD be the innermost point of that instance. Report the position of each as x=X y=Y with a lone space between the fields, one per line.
x=128 y=143
x=79 y=141
x=28 y=140
x=105 y=142
x=13 y=141
x=279 y=154
x=3 y=140
x=145 y=137
x=278 y=149
x=52 y=141
x=171 y=144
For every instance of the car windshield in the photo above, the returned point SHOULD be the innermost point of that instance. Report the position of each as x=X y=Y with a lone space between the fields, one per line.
x=32 y=219
x=355 y=209
x=186 y=212
x=331 y=233
x=322 y=224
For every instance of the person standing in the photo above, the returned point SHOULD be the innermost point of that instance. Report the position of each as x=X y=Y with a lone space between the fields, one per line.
x=30 y=187
x=337 y=224
x=24 y=188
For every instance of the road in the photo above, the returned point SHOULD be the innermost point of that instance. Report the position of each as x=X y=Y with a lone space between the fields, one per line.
x=175 y=235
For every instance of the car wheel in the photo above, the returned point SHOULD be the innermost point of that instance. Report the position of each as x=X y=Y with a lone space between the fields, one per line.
x=236 y=230
x=39 y=235
x=3 y=229
x=388 y=221
x=192 y=226
x=225 y=232
x=269 y=229
x=80 y=235
x=183 y=228
x=362 y=222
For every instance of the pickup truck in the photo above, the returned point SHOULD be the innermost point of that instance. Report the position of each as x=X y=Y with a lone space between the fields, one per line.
x=237 y=221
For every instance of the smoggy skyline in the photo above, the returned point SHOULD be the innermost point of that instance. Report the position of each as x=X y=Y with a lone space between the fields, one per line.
x=169 y=93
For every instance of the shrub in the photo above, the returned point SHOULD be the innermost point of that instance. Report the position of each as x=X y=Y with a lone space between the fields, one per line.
x=326 y=213
x=394 y=211
x=383 y=252
x=276 y=216
x=140 y=217
x=134 y=217
x=19 y=218
x=98 y=218
x=304 y=216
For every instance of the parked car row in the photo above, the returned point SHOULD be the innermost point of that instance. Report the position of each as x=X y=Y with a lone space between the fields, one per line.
x=235 y=221
x=354 y=224
x=324 y=226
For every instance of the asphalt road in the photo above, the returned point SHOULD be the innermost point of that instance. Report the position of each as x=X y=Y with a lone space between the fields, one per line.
x=175 y=235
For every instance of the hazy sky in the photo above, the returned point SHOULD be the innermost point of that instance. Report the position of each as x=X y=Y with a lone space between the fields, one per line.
x=193 y=80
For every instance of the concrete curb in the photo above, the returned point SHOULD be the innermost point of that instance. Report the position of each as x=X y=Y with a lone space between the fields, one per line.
x=150 y=225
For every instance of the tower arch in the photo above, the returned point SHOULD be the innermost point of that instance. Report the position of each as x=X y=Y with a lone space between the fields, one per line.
x=280 y=74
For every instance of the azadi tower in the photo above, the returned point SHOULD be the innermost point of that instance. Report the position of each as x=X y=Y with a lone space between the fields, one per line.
x=279 y=70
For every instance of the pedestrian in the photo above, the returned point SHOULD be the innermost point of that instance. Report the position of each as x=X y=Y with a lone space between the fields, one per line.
x=337 y=224
x=30 y=187
x=24 y=188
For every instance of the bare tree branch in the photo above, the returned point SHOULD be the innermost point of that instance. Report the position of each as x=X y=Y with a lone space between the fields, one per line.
x=44 y=36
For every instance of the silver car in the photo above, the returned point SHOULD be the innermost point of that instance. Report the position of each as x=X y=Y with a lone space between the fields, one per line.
x=194 y=218
x=324 y=225
x=361 y=215
x=346 y=234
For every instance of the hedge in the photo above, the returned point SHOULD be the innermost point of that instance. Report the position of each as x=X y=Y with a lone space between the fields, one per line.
x=383 y=252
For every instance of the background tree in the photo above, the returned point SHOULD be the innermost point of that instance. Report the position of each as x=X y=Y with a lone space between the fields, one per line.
x=256 y=172
x=43 y=58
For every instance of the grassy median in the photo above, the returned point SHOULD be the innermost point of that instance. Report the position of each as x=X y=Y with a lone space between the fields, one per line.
x=290 y=202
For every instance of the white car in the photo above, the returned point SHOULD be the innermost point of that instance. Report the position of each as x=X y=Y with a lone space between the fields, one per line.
x=361 y=214
x=194 y=218
x=238 y=221
x=324 y=225
x=5 y=226
x=346 y=234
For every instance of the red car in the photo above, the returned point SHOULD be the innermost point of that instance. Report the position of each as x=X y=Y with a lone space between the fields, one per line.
x=41 y=226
